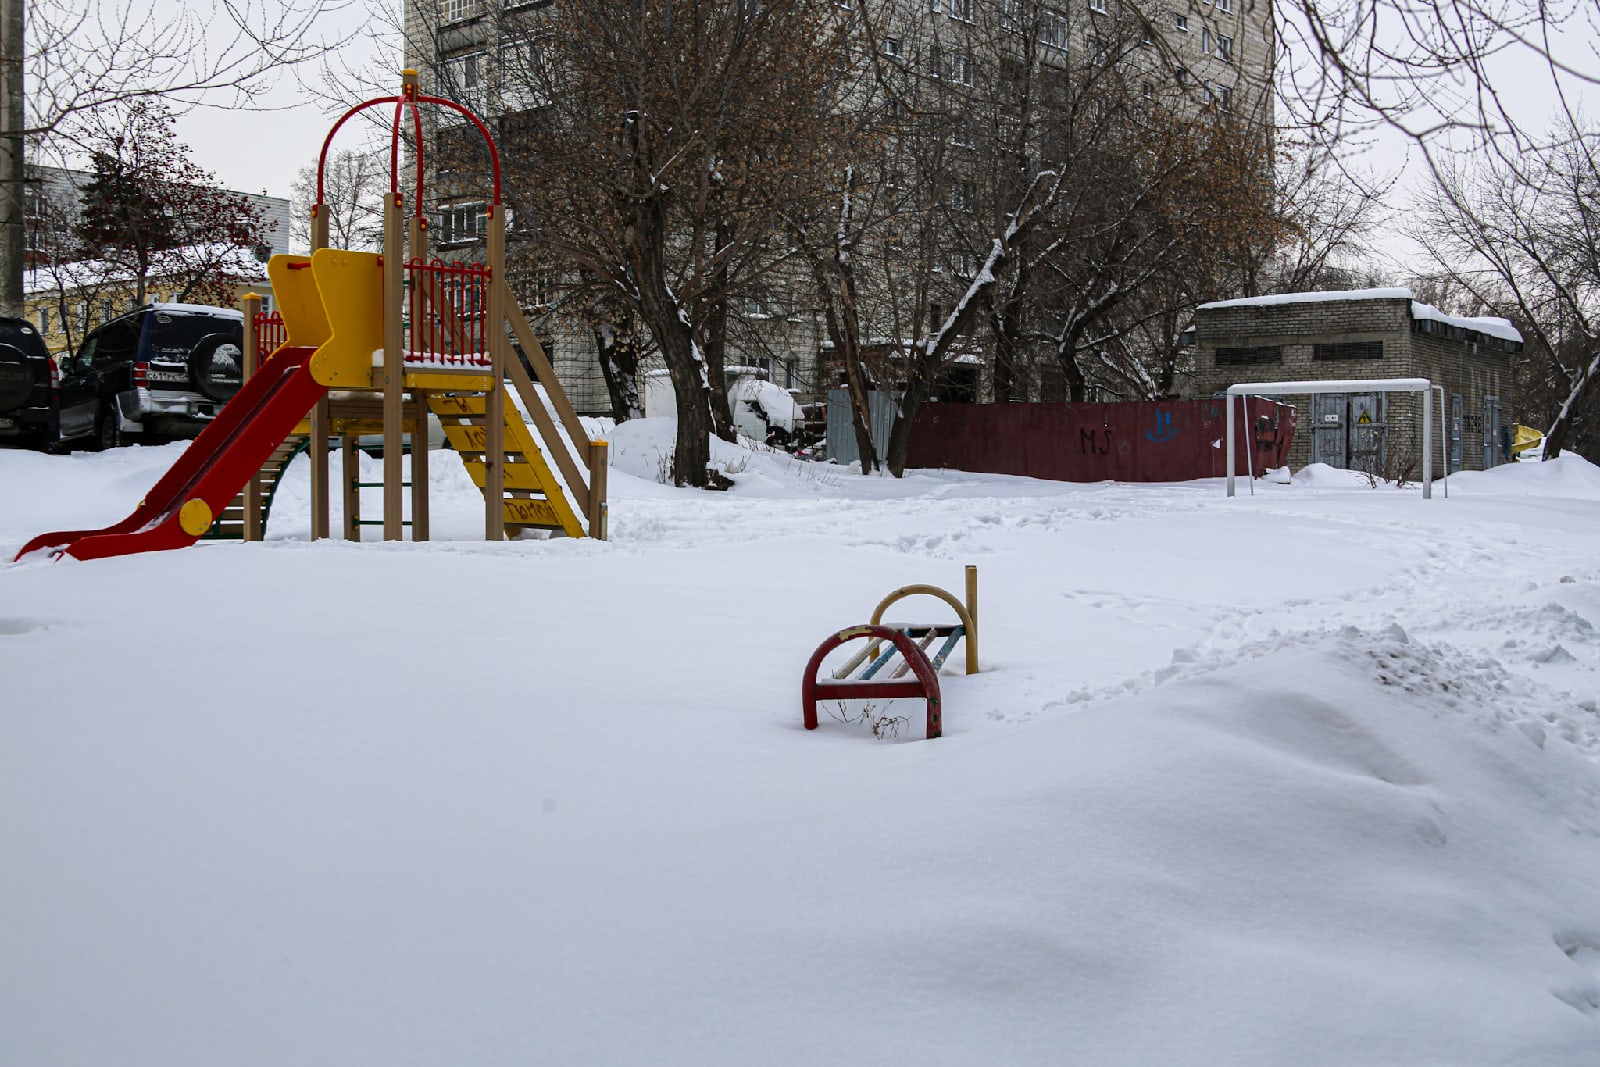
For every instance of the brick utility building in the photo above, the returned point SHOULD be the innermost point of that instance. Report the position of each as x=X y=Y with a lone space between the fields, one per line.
x=1364 y=334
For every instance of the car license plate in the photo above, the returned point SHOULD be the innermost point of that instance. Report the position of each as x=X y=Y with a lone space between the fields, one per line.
x=8 y=424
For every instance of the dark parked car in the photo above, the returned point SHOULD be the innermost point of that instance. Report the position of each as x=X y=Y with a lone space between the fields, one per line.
x=159 y=373
x=27 y=381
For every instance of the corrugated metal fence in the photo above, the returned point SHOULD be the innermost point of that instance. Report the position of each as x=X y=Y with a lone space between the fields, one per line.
x=1158 y=441
x=842 y=436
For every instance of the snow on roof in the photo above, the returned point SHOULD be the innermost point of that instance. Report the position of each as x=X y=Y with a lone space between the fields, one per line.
x=1486 y=324
x=1489 y=325
x=230 y=259
x=1397 y=293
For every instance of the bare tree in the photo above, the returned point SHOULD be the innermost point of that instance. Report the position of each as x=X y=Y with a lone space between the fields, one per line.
x=353 y=186
x=1525 y=238
x=65 y=60
x=665 y=140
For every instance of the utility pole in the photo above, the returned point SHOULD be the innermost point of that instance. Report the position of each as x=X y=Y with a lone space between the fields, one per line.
x=12 y=236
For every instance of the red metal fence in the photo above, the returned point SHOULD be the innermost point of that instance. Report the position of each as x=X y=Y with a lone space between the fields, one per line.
x=448 y=305
x=270 y=333
x=1158 y=441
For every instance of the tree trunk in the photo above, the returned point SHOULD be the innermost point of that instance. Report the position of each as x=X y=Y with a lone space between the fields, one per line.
x=917 y=390
x=1560 y=432
x=619 y=365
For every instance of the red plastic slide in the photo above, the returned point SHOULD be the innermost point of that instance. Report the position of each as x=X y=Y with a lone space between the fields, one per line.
x=211 y=470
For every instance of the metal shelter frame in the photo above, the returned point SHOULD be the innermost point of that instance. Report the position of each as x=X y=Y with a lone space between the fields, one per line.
x=1357 y=385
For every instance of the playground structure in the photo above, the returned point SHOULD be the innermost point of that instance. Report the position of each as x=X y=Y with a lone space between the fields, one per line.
x=873 y=673
x=367 y=344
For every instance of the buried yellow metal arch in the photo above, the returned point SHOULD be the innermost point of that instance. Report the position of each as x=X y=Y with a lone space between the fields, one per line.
x=967 y=613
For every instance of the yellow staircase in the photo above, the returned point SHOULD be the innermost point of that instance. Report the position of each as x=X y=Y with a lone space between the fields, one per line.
x=534 y=496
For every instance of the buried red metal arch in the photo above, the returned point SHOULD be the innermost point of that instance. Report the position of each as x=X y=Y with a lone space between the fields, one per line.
x=925 y=684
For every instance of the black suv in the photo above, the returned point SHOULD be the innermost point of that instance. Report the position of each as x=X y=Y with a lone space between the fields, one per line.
x=27 y=382
x=158 y=373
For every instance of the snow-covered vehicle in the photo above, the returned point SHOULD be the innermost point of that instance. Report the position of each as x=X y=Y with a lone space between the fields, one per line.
x=762 y=409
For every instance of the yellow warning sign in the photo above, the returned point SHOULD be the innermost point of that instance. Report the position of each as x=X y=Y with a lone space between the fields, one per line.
x=1364 y=420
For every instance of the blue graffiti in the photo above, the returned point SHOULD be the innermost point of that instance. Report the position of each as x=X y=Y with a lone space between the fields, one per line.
x=1164 y=430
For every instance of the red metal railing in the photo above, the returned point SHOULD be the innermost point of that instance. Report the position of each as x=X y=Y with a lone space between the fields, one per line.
x=448 y=304
x=270 y=333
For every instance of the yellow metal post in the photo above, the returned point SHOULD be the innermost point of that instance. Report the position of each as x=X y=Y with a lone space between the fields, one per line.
x=972 y=612
x=494 y=419
x=252 y=363
x=394 y=278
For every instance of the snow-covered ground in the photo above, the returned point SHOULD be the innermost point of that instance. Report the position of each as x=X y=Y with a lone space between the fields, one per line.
x=1305 y=777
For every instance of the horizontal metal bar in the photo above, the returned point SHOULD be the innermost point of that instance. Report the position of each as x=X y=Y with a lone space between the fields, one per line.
x=1354 y=385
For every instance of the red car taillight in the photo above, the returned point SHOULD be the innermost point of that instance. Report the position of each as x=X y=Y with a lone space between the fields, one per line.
x=141 y=374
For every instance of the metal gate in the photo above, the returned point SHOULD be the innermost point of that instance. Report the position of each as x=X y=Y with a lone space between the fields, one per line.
x=1367 y=432
x=1327 y=429
x=1453 y=459
x=1491 y=431
x=1348 y=431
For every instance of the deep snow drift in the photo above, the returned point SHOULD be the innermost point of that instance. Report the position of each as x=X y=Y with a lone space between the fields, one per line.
x=1305 y=777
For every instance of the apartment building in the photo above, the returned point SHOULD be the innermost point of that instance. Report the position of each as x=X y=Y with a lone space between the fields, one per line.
x=1187 y=54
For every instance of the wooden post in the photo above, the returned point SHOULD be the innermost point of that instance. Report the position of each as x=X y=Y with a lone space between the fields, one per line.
x=252 y=363
x=972 y=613
x=317 y=449
x=418 y=235
x=599 y=459
x=494 y=419
x=394 y=277
x=419 y=471
x=351 y=454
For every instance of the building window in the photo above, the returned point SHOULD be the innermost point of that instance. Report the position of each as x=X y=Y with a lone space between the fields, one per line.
x=961 y=68
x=1224 y=48
x=1233 y=357
x=1205 y=40
x=1224 y=5
x=523 y=75
x=891 y=46
x=1181 y=23
x=1011 y=16
x=1348 y=350
x=462 y=222
x=963 y=196
x=1182 y=75
x=465 y=75
x=960 y=9
x=1224 y=97
x=936 y=6
x=44 y=320
x=1148 y=90
x=458 y=10
x=1053 y=30
x=1098 y=6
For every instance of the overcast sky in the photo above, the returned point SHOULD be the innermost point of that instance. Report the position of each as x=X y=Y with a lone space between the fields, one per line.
x=263 y=151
